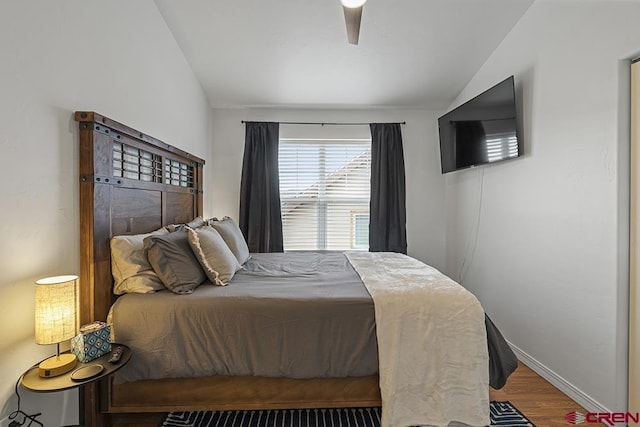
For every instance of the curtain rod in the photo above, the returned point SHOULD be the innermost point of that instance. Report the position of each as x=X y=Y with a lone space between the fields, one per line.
x=325 y=123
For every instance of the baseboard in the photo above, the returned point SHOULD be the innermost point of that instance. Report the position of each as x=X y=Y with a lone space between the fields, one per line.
x=581 y=398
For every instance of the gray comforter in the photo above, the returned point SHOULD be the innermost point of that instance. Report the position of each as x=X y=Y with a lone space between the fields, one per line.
x=296 y=315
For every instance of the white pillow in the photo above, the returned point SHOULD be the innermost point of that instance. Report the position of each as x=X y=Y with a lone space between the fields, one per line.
x=232 y=236
x=215 y=257
x=131 y=270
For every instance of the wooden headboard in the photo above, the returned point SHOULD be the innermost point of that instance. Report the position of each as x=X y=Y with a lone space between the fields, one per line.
x=130 y=183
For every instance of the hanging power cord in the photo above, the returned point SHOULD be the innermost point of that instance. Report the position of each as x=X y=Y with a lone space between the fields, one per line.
x=472 y=242
x=19 y=418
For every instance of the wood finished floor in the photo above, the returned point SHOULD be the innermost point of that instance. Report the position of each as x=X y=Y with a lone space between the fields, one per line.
x=536 y=398
x=541 y=402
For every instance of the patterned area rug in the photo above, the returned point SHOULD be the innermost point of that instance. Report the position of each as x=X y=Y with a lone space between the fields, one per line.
x=502 y=414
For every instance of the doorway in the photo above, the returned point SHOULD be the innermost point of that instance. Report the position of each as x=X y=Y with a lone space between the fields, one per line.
x=634 y=241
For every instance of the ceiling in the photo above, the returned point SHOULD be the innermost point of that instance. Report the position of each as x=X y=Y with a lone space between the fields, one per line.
x=286 y=53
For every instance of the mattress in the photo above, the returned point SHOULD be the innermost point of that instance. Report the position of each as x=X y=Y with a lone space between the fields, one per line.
x=295 y=315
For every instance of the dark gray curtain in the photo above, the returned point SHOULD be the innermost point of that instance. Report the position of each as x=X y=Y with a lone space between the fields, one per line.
x=260 y=217
x=388 y=213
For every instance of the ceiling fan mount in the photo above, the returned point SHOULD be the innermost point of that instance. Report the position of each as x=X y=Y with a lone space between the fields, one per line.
x=353 y=17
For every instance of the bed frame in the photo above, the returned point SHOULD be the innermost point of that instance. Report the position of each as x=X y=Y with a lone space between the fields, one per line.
x=132 y=183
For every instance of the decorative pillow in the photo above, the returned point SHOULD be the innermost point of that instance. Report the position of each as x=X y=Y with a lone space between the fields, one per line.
x=130 y=268
x=232 y=236
x=197 y=222
x=174 y=262
x=215 y=257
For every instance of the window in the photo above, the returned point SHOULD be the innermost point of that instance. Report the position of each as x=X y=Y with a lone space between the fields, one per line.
x=324 y=191
x=360 y=233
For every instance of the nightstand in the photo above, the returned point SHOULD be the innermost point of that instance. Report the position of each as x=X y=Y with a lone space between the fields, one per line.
x=31 y=380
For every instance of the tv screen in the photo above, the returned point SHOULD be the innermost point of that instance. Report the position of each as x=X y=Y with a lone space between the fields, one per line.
x=482 y=130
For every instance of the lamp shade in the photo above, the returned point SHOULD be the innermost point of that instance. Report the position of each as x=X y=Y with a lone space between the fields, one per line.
x=56 y=309
x=353 y=3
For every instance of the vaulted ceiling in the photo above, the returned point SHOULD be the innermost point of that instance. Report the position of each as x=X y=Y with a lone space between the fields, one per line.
x=412 y=53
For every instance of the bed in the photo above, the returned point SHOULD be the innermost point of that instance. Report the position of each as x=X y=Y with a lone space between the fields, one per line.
x=132 y=183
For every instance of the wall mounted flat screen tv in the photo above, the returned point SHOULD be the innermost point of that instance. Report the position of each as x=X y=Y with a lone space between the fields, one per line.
x=482 y=130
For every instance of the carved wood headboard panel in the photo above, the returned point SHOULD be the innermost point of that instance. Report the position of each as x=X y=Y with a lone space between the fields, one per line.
x=130 y=183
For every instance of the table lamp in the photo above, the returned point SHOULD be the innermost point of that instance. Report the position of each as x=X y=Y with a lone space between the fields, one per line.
x=56 y=320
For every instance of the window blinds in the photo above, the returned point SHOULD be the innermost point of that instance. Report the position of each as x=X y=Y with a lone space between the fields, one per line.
x=324 y=192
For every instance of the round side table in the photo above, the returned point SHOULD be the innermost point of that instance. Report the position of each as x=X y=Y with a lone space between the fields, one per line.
x=31 y=379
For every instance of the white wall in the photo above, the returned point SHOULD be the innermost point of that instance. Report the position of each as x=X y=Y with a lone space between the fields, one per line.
x=425 y=184
x=550 y=261
x=117 y=58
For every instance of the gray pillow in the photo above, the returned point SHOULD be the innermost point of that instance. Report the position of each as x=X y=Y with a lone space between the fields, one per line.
x=174 y=262
x=131 y=270
x=232 y=236
x=215 y=257
x=197 y=222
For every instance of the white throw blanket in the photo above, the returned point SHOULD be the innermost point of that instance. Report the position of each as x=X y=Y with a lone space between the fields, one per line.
x=432 y=343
